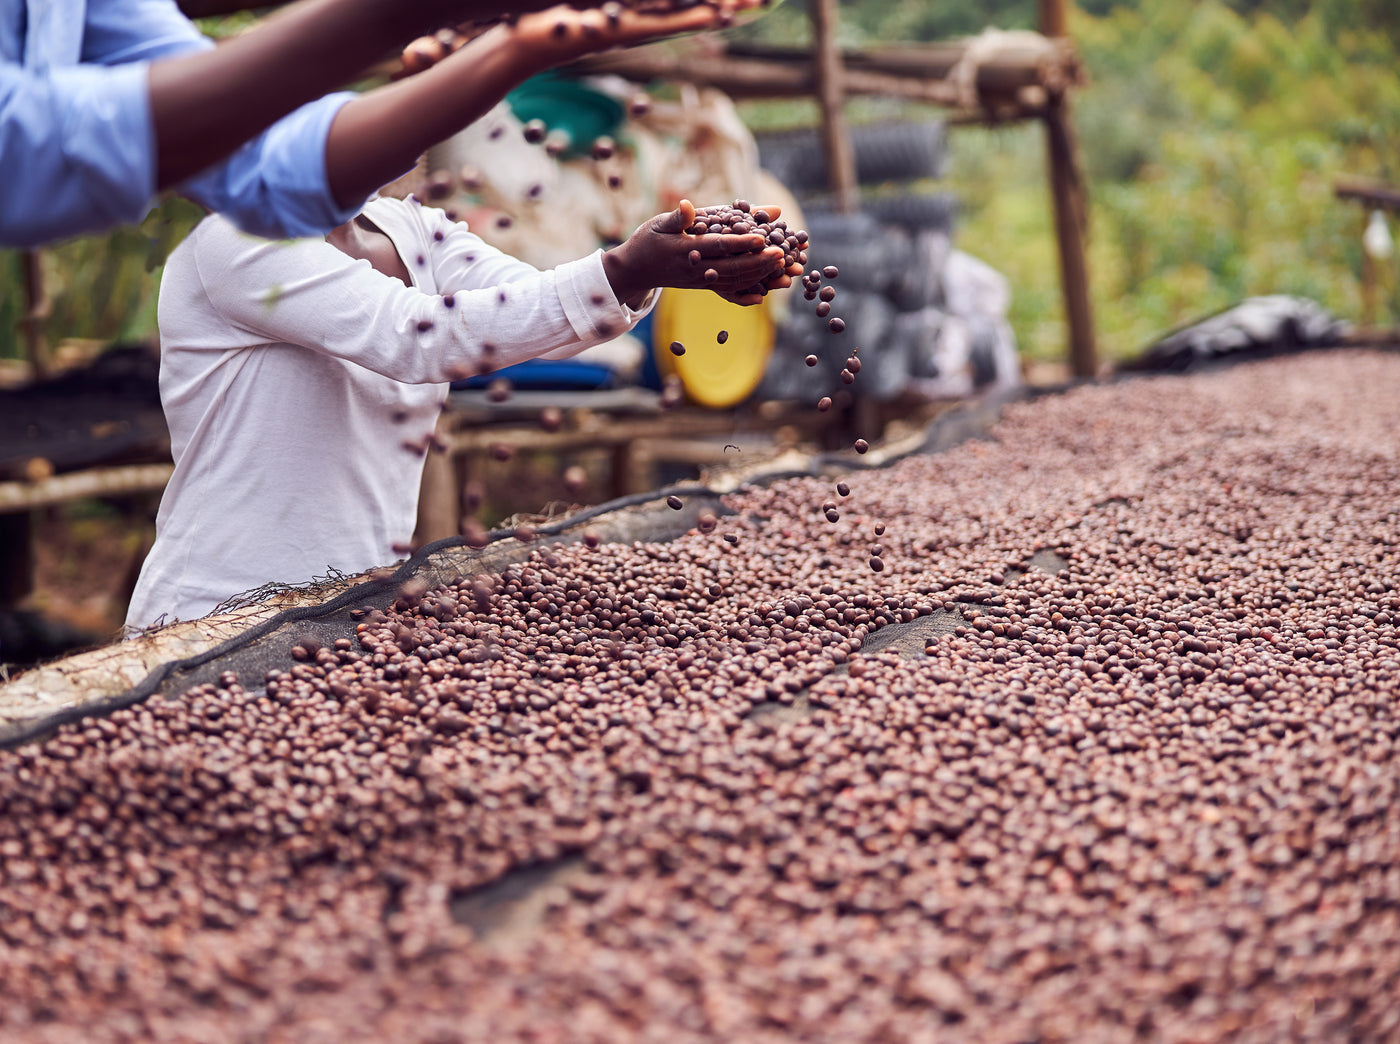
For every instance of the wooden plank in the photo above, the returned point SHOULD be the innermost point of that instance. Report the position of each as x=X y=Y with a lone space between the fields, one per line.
x=1370 y=193
x=910 y=72
x=93 y=482
x=1020 y=60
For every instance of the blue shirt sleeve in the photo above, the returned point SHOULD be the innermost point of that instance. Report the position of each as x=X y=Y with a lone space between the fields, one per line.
x=75 y=151
x=77 y=145
x=275 y=185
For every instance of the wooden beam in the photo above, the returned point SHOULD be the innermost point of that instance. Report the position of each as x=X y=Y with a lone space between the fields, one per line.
x=831 y=96
x=1020 y=60
x=1368 y=193
x=1026 y=63
x=94 y=482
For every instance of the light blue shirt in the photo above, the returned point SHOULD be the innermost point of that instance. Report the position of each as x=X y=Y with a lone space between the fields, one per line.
x=77 y=143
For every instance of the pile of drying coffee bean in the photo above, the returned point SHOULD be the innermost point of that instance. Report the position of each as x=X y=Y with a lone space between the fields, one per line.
x=1107 y=751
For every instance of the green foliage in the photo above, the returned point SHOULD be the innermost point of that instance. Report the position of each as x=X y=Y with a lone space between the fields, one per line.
x=1211 y=135
x=102 y=287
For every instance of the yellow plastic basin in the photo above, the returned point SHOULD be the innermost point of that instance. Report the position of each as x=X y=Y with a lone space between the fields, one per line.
x=712 y=374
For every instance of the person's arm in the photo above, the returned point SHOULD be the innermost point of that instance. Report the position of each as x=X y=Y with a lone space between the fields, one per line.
x=656 y=255
x=309 y=293
x=204 y=106
x=86 y=146
x=73 y=157
x=378 y=135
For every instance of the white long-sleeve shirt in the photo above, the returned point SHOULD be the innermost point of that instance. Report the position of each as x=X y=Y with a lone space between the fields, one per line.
x=293 y=375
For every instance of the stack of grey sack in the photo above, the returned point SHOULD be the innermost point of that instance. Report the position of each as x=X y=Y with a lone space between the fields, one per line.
x=927 y=318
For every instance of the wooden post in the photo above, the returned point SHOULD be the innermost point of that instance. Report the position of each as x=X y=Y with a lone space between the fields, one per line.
x=439 y=497
x=1071 y=213
x=1368 y=277
x=37 y=308
x=831 y=95
x=1052 y=18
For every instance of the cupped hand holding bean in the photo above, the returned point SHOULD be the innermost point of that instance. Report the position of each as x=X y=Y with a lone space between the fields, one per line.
x=662 y=253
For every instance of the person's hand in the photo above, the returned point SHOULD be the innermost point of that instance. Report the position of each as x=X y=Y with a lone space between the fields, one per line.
x=663 y=253
x=564 y=33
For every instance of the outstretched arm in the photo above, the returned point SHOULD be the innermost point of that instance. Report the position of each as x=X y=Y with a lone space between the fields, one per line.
x=378 y=136
x=204 y=105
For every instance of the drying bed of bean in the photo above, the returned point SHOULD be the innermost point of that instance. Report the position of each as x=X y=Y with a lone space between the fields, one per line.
x=1129 y=774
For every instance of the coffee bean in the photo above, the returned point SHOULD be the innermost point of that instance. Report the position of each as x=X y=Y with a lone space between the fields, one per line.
x=824 y=403
x=837 y=324
x=811 y=360
x=722 y=336
x=677 y=348
x=674 y=503
x=861 y=445
x=1129 y=760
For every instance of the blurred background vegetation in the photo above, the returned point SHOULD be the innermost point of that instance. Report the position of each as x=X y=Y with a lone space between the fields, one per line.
x=1211 y=133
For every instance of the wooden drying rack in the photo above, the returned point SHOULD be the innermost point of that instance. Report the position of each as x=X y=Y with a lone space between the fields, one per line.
x=989 y=80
